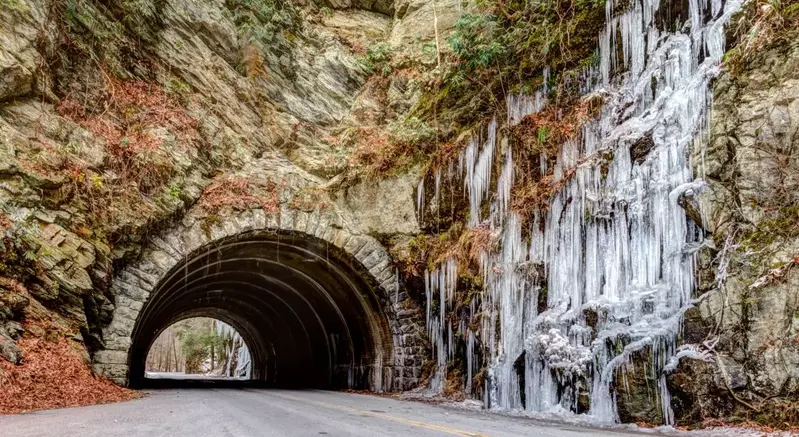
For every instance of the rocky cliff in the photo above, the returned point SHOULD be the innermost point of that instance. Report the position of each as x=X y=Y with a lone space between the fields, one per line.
x=118 y=119
x=750 y=304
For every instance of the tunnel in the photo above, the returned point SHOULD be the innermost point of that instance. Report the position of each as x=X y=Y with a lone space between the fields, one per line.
x=311 y=314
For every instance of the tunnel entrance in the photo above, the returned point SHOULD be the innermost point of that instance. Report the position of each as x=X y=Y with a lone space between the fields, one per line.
x=308 y=311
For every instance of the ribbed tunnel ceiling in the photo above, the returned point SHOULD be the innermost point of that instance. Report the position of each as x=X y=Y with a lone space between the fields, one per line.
x=308 y=311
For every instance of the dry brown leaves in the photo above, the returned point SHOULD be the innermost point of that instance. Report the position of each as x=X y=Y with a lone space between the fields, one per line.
x=131 y=110
x=130 y=107
x=5 y=221
x=53 y=376
x=761 y=26
x=239 y=193
x=541 y=136
x=13 y=285
x=453 y=388
x=536 y=195
x=547 y=130
x=374 y=151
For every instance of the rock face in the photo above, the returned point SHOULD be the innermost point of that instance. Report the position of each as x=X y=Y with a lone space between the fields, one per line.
x=418 y=21
x=127 y=126
x=18 y=54
x=380 y=207
x=117 y=119
x=752 y=299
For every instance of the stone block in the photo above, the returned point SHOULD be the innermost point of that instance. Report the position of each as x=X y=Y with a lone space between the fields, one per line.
x=258 y=218
x=287 y=218
x=313 y=222
x=355 y=244
x=116 y=342
x=323 y=226
x=111 y=357
x=117 y=373
x=301 y=221
x=372 y=260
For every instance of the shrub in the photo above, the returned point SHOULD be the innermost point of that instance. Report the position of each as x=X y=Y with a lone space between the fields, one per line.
x=377 y=58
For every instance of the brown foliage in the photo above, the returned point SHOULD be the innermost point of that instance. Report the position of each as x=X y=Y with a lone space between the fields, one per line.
x=5 y=221
x=137 y=164
x=53 y=375
x=453 y=389
x=541 y=136
x=458 y=242
x=239 y=193
x=761 y=26
x=254 y=63
x=375 y=152
x=131 y=109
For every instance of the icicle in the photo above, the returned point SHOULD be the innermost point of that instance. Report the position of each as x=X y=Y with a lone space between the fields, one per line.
x=522 y=105
x=504 y=184
x=469 y=361
x=478 y=172
x=397 y=287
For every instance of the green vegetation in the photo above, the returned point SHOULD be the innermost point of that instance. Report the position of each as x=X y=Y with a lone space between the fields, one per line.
x=499 y=48
x=761 y=25
x=377 y=58
x=393 y=147
x=176 y=87
x=411 y=130
x=14 y=5
x=199 y=346
x=267 y=23
x=263 y=26
x=109 y=34
x=783 y=225
x=505 y=47
x=192 y=346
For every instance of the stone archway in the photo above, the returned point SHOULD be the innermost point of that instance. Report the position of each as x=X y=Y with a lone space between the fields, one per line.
x=318 y=305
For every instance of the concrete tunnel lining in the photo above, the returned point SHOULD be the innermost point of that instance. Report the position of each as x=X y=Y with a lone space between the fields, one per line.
x=309 y=311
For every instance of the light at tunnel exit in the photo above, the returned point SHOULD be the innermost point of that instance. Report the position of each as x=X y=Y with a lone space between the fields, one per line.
x=199 y=348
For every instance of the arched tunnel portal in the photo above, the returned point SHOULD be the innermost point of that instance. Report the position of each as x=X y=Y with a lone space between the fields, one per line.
x=308 y=312
x=315 y=309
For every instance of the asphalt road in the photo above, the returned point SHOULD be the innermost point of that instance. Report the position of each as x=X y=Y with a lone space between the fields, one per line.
x=271 y=412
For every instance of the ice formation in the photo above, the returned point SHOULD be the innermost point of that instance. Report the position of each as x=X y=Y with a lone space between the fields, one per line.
x=615 y=251
x=440 y=283
x=236 y=352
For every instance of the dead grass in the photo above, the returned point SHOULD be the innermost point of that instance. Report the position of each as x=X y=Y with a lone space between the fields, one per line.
x=137 y=164
x=131 y=111
x=5 y=222
x=375 y=153
x=239 y=193
x=540 y=136
x=453 y=388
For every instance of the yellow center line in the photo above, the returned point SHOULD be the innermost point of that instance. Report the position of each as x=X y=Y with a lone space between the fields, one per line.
x=384 y=416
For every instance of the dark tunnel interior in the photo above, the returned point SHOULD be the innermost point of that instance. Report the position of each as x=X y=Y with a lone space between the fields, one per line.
x=309 y=312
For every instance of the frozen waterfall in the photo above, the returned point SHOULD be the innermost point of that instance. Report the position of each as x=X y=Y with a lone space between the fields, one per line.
x=614 y=253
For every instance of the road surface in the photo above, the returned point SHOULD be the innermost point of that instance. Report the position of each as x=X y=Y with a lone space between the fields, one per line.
x=271 y=412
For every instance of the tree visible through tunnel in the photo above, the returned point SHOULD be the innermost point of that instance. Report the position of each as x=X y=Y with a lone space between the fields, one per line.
x=199 y=347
